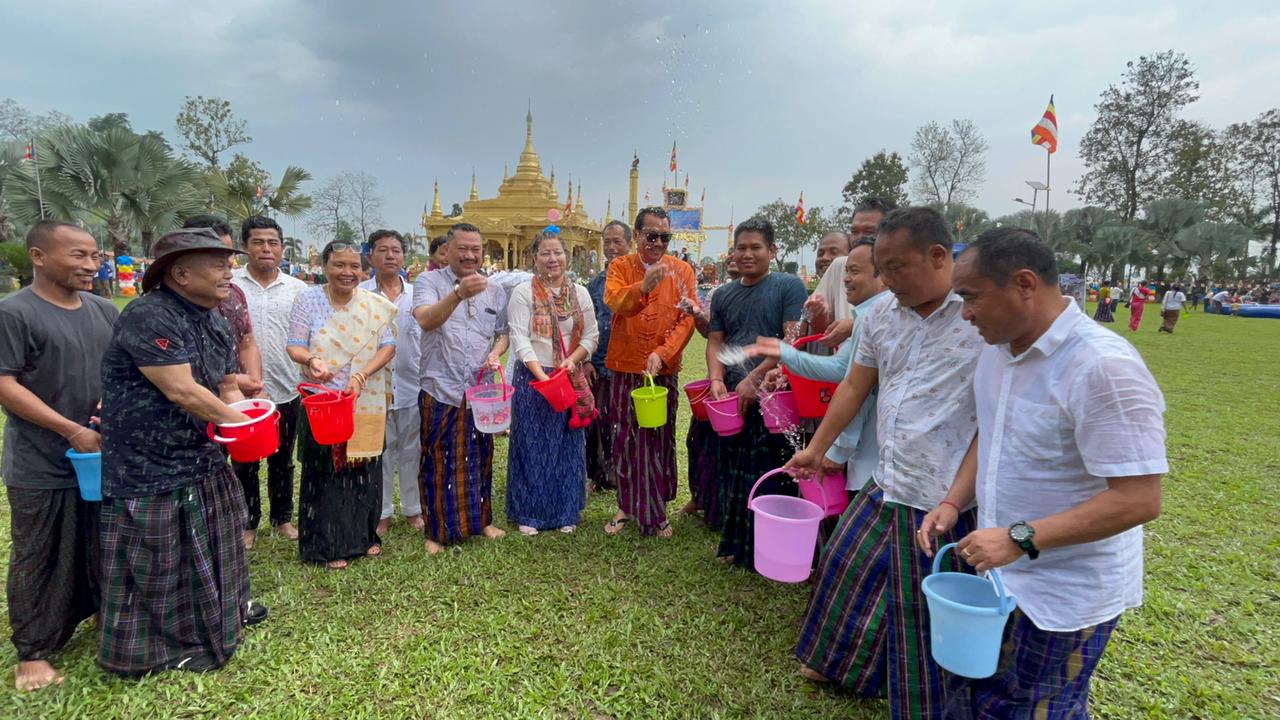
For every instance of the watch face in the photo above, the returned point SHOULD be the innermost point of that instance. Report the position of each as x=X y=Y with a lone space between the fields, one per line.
x=1020 y=532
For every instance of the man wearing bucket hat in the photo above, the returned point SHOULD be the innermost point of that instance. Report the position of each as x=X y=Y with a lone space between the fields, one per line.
x=174 y=571
x=1071 y=450
x=866 y=627
x=52 y=337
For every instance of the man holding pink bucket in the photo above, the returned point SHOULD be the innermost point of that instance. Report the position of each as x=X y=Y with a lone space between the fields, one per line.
x=1071 y=450
x=866 y=627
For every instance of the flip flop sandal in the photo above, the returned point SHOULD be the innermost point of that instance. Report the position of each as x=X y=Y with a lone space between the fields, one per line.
x=616 y=525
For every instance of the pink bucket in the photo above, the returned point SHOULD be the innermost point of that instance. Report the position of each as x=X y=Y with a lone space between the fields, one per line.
x=827 y=493
x=786 y=534
x=779 y=411
x=724 y=416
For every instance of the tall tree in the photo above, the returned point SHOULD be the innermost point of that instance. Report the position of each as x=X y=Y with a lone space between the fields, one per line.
x=1200 y=169
x=950 y=162
x=1081 y=236
x=1259 y=151
x=1127 y=150
x=245 y=188
x=21 y=125
x=1162 y=227
x=790 y=236
x=209 y=128
x=349 y=197
x=366 y=204
x=881 y=175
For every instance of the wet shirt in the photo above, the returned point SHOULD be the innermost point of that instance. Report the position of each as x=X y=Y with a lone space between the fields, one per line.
x=235 y=310
x=745 y=312
x=149 y=444
x=453 y=353
x=648 y=322
x=270 y=307
x=56 y=354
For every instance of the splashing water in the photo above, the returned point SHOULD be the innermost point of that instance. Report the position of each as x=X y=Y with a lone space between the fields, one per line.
x=734 y=355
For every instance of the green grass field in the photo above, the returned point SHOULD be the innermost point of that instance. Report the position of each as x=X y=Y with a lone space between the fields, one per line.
x=588 y=626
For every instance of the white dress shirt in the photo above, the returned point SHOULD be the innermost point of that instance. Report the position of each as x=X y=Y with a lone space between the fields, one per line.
x=925 y=418
x=528 y=347
x=404 y=372
x=1074 y=409
x=270 y=308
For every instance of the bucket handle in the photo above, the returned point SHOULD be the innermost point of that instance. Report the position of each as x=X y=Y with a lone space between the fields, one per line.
x=501 y=376
x=993 y=573
x=311 y=390
x=699 y=396
x=715 y=410
x=649 y=384
x=806 y=340
x=766 y=476
x=218 y=438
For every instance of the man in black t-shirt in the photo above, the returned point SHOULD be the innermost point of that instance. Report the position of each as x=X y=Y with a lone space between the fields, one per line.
x=175 y=576
x=52 y=337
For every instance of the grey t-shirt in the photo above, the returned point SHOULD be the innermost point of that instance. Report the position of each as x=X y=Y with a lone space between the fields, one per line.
x=57 y=355
x=745 y=312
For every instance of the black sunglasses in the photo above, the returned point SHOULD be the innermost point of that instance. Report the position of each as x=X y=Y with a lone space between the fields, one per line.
x=663 y=238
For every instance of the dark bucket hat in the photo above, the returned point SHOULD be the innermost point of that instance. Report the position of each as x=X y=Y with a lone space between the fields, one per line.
x=174 y=245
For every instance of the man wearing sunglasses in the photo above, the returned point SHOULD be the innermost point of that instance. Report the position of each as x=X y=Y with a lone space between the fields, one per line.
x=644 y=290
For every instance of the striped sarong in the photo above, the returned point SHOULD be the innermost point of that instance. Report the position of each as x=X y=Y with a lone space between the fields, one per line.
x=644 y=458
x=546 y=464
x=1041 y=674
x=740 y=460
x=867 y=626
x=175 y=576
x=457 y=472
x=600 y=438
x=701 y=445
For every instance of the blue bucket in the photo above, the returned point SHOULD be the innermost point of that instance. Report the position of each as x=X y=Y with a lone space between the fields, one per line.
x=88 y=473
x=967 y=615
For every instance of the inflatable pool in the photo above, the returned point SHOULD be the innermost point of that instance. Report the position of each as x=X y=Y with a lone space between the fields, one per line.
x=1260 y=311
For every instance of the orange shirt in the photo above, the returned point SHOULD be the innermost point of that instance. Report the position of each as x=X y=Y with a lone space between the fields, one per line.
x=644 y=323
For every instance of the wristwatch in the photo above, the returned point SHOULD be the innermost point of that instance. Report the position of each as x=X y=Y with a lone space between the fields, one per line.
x=1022 y=534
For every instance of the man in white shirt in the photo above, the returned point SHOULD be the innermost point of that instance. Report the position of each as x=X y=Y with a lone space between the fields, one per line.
x=866 y=217
x=270 y=294
x=1171 y=308
x=403 y=452
x=1071 y=448
x=919 y=348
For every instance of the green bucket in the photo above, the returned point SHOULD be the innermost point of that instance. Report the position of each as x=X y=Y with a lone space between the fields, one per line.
x=651 y=404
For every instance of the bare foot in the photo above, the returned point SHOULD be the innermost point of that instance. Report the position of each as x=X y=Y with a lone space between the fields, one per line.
x=373 y=551
x=35 y=674
x=690 y=508
x=493 y=533
x=614 y=526
x=434 y=548
x=337 y=564
x=287 y=531
x=383 y=526
x=250 y=537
x=416 y=522
x=812 y=675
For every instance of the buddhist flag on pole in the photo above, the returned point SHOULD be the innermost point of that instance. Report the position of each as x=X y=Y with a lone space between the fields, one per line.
x=673 y=156
x=1045 y=133
x=29 y=153
x=800 y=209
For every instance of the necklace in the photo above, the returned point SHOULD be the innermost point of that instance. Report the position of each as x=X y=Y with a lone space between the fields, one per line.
x=333 y=303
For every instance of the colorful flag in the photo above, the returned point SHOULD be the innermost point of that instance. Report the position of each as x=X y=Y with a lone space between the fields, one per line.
x=30 y=151
x=1045 y=133
x=673 y=156
x=800 y=209
x=259 y=193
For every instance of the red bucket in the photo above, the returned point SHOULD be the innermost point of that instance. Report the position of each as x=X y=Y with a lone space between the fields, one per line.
x=698 y=392
x=557 y=390
x=812 y=396
x=331 y=414
x=254 y=439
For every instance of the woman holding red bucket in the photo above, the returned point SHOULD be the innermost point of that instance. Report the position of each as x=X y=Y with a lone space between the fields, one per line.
x=343 y=337
x=553 y=327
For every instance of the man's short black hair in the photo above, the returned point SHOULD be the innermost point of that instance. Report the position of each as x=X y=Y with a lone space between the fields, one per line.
x=645 y=212
x=626 y=229
x=925 y=227
x=436 y=243
x=218 y=225
x=756 y=224
x=259 y=222
x=1003 y=251
x=41 y=234
x=864 y=241
x=884 y=206
x=462 y=227
x=377 y=235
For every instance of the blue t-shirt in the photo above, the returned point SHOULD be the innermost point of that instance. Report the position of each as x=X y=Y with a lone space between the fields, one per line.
x=745 y=312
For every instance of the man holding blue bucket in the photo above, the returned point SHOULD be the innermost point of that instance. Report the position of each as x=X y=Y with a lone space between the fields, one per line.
x=1071 y=449
x=52 y=337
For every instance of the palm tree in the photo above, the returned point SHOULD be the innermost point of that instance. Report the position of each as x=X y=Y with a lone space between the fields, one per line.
x=10 y=162
x=1213 y=247
x=1161 y=223
x=1079 y=237
x=236 y=196
x=292 y=248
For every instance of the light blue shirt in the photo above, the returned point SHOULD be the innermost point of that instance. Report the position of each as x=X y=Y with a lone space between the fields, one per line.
x=857 y=445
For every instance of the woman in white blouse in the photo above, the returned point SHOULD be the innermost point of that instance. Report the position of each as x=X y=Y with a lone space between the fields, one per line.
x=553 y=326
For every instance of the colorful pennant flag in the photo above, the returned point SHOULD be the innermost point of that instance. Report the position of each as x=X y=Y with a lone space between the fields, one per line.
x=29 y=152
x=1045 y=133
x=673 y=156
x=800 y=209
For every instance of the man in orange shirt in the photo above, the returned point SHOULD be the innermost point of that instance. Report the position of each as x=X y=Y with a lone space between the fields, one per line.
x=643 y=290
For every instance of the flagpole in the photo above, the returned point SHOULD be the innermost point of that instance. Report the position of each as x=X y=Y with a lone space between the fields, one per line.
x=35 y=166
x=1048 y=160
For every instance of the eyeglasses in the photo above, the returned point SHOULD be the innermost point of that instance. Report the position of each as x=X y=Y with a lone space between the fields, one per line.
x=340 y=246
x=663 y=238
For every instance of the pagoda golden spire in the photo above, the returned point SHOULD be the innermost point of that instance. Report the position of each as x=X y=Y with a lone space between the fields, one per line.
x=569 y=193
x=634 y=187
x=436 y=212
x=554 y=195
x=505 y=174
x=608 y=211
x=475 y=195
x=578 y=207
x=529 y=163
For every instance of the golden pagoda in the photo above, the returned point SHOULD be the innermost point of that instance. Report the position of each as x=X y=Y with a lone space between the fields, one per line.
x=510 y=221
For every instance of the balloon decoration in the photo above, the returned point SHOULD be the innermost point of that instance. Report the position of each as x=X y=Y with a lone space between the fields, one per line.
x=124 y=275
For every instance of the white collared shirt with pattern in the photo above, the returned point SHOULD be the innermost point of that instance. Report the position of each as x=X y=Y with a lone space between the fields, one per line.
x=269 y=309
